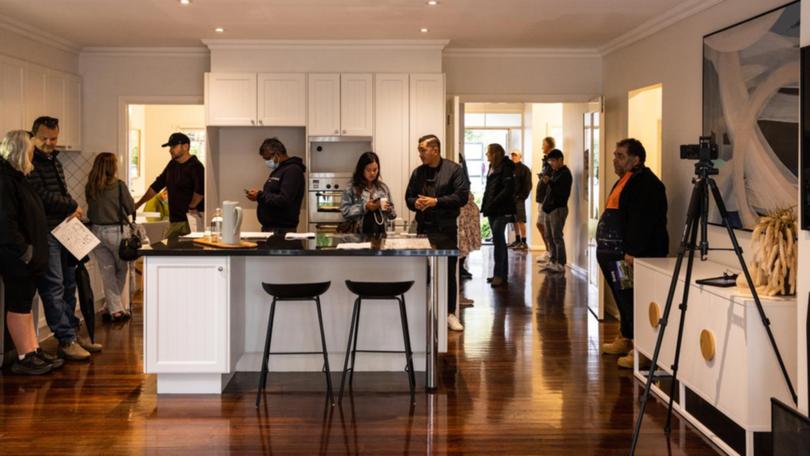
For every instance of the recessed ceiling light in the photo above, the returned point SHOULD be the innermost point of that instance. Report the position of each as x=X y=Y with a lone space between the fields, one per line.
x=432 y=2
x=219 y=30
x=424 y=30
x=185 y=2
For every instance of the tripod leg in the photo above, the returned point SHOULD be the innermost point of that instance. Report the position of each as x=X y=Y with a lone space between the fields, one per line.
x=691 y=215
x=721 y=206
x=687 y=280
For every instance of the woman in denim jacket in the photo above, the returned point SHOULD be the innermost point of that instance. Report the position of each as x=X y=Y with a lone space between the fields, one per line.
x=368 y=202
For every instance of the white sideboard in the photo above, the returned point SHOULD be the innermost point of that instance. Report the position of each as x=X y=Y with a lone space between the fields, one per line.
x=727 y=396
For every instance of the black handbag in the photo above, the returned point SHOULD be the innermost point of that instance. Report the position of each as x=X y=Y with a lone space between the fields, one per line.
x=129 y=246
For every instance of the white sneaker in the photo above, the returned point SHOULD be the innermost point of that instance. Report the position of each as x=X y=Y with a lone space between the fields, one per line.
x=544 y=258
x=453 y=324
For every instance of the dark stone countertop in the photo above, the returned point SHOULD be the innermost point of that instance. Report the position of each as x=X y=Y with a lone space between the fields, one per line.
x=324 y=244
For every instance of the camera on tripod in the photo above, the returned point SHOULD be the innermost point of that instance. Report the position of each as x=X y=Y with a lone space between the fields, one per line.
x=705 y=150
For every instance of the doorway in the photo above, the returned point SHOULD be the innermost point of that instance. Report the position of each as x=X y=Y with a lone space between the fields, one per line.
x=644 y=117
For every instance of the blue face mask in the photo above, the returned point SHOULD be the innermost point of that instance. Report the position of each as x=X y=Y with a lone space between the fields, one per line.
x=271 y=164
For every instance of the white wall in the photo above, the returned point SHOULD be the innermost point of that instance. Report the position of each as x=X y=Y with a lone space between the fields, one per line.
x=576 y=227
x=140 y=76
x=673 y=57
x=547 y=120
x=22 y=45
x=324 y=57
x=523 y=77
x=644 y=122
x=137 y=121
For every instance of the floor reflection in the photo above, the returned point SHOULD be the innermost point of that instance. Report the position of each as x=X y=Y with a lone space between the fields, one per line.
x=525 y=377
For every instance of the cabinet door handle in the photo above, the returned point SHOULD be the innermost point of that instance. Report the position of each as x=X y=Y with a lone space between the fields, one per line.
x=344 y=132
x=260 y=122
x=220 y=269
x=253 y=122
x=336 y=132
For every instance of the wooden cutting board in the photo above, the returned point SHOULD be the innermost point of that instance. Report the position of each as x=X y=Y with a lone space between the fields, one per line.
x=206 y=241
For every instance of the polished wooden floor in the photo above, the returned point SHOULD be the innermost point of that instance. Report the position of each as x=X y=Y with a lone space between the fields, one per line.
x=525 y=377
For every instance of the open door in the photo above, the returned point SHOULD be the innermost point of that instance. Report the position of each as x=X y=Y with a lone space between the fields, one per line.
x=594 y=136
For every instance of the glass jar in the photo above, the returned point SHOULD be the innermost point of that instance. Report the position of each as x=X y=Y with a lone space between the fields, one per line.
x=216 y=226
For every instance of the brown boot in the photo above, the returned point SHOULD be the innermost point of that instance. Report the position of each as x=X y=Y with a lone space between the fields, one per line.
x=619 y=346
x=91 y=347
x=73 y=352
x=626 y=361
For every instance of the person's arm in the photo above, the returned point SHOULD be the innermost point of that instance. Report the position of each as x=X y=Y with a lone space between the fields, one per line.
x=392 y=213
x=156 y=187
x=461 y=188
x=126 y=199
x=349 y=207
x=12 y=241
x=54 y=202
x=199 y=187
x=412 y=192
x=566 y=181
x=642 y=204
x=528 y=184
x=291 y=184
x=505 y=196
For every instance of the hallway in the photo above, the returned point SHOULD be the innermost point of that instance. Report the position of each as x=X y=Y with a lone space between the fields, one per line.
x=525 y=377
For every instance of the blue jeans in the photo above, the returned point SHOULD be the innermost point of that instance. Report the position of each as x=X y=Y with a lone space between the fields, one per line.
x=501 y=254
x=57 y=288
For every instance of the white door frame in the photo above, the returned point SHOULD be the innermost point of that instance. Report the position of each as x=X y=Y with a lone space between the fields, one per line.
x=123 y=120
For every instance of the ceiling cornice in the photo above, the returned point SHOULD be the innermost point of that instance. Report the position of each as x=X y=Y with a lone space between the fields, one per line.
x=146 y=51
x=39 y=36
x=656 y=24
x=521 y=52
x=326 y=44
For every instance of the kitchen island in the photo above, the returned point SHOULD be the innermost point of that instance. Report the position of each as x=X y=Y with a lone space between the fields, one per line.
x=205 y=312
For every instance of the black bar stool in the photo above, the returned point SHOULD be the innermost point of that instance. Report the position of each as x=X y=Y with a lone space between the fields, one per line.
x=378 y=291
x=294 y=292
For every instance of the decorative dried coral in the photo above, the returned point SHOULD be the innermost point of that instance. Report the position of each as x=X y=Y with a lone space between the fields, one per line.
x=775 y=262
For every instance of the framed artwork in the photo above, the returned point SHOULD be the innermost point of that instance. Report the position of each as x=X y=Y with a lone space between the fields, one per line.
x=135 y=153
x=805 y=161
x=751 y=111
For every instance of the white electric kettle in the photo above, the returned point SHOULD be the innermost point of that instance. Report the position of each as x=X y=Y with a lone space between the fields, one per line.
x=231 y=222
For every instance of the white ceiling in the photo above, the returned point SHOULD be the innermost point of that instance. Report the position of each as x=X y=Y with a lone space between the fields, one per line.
x=466 y=23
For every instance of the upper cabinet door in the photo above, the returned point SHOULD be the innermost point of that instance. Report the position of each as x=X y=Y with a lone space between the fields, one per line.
x=356 y=104
x=71 y=126
x=12 y=96
x=230 y=99
x=427 y=109
x=324 y=104
x=282 y=99
x=54 y=95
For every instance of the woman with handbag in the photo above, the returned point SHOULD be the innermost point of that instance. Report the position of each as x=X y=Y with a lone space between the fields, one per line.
x=23 y=252
x=108 y=205
x=366 y=206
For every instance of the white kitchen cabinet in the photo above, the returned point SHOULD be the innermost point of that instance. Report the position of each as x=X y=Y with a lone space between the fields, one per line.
x=356 y=104
x=70 y=124
x=324 y=104
x=282 y=99
x=230 y=99
x=34 y=86
x=12 y=96
x=427 y=110
x=391 y=141
x=189 y=296
x=54 y=95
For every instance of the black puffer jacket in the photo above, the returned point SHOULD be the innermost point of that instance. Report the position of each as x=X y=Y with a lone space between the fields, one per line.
x=499 y=196
x=48 y=181
x=523 y=182
x=22 y=226
x=643 y=209
x=449 y=185
x=280 y=199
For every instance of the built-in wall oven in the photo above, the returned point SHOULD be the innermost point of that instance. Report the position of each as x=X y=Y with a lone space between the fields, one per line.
x=325 y=194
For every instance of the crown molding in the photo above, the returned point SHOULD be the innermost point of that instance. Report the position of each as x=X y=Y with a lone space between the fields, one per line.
x=326 y=44
x=181 y=51
x=521 y=52
x=39 y=36
x=656 y=24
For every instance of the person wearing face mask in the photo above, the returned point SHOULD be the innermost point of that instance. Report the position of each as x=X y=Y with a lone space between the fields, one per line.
x=184 y=177
x=279 y=202
x=633 y=225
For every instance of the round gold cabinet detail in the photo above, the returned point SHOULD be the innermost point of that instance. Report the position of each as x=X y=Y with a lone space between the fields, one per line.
x=655 y=314
x=707 y=344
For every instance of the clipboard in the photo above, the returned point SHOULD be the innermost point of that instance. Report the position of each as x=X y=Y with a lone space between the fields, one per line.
x=724 y=281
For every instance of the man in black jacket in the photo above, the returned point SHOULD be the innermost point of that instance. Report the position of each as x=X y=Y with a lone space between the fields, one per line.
x=555 y=206
x=279 y=202
x=634 y=224
x=498 y=206
x=184 y=177
x=57 y=287
x=523 y=187
x=436 y=191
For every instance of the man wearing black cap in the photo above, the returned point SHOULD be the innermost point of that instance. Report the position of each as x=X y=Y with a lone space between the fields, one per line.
x=184 y=177
x=555 y=206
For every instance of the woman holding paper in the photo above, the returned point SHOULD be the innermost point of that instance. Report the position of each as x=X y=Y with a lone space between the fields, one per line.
x=367 y=204
x=23 y=251
x=108 y=204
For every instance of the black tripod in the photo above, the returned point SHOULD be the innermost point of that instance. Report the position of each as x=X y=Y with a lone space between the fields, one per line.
x=697 y=218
